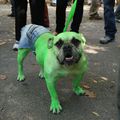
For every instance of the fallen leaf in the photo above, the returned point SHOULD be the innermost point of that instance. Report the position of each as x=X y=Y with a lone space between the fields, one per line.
x=104 y=78
x=2 y=43
x=3 y=77
x=114 y=70
x=9 y=40
x=113 y=82
x=86 y=86
x=94 y=81
x=96 y=63
x=95 y=113
x=118 y=46
x=90 y=94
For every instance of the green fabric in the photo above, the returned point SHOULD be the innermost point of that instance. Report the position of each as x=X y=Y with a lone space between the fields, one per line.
x=70 y=16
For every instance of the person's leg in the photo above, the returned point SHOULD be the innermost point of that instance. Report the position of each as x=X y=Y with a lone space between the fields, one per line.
x=12 y=9
x=117 y=13
x=109 y=20
x=37 y=11
x=89 y=2
x=117 y=10
x=93 y=12
x=46 y=16
x=77 y=18
x=60 y=15
x=109 y=16
x=20 y=19
x=53 y=3
x=93 y=7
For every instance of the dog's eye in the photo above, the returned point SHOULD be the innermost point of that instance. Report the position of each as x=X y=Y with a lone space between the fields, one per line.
x=59 y=44
x=75 y=42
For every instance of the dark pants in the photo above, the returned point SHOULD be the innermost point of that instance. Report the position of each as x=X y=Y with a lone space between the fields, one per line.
x=95 y=4
x=61 y=15
x=12 y=7
x=109 y=16
x=37 y=13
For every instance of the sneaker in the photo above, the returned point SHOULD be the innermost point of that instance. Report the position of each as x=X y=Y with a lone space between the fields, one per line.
x=117 y=20
x=53 y=4
x=11 y=15
x=106 y=40
x=95 y=17
x=15 y=46
x=89 y=3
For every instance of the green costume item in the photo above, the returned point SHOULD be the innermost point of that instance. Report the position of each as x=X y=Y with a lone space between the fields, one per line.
x=57 y=56
x=70 y=16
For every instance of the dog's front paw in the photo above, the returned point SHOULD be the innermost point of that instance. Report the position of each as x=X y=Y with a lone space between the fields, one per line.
x=41 y=75
x=20 y=78
x=55 y=107
x=78 y=91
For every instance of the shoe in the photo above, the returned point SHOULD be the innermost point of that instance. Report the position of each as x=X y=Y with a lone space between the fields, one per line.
x=69 y=3
x=15 y=46
x=11 y=15
x=89 y=3
x=95 y=17
x=117 y=20
x=53 y=4
x=106 y=40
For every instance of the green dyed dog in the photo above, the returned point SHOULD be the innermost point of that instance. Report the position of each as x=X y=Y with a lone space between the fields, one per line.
x=58 y=56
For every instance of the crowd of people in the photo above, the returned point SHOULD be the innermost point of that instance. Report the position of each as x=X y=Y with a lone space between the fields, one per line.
x=19 y=11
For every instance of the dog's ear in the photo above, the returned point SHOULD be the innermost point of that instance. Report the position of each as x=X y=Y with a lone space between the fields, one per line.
x=83 y=40
x=50 y=43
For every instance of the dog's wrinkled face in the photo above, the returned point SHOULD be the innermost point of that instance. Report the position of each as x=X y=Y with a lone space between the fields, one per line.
x=68 y=47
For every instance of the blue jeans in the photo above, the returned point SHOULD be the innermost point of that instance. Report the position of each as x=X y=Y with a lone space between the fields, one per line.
x=29 y=35
x=109 y=18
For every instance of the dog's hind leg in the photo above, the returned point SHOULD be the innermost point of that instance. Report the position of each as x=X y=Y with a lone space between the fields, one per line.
x=22 y=53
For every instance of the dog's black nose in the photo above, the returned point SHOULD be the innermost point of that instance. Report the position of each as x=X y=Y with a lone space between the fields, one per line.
x=67 y=48
x=67 y=51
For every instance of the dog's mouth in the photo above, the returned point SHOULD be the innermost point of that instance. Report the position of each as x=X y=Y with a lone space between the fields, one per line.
x=69 y=58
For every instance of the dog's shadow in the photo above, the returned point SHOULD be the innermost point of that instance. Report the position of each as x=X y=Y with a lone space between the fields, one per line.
x=37 y=90
x=69 y=100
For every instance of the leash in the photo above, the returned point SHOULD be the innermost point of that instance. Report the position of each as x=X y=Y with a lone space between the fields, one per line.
x=70 y=16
